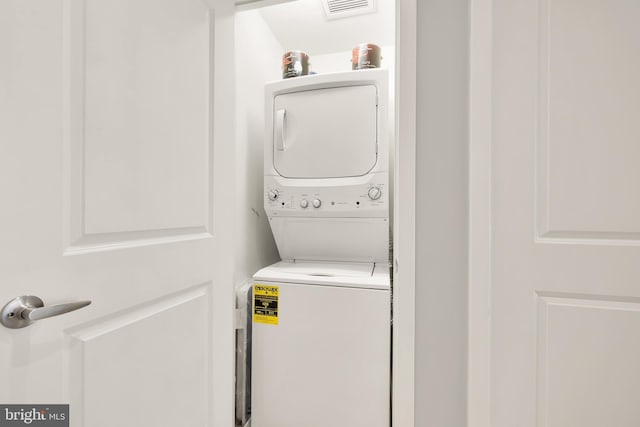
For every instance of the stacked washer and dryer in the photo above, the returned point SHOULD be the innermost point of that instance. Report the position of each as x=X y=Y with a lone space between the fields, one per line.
x=322 y=316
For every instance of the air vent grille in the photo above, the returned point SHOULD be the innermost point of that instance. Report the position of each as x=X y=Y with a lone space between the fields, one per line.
x=334 y=9
x=337 y=6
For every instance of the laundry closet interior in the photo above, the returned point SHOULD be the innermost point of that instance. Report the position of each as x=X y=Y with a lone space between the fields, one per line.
x=314 y=182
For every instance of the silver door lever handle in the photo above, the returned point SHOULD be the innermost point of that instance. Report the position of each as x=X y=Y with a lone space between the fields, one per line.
x=24 y=310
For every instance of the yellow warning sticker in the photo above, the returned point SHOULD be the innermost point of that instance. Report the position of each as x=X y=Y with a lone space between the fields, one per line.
x=265 y=304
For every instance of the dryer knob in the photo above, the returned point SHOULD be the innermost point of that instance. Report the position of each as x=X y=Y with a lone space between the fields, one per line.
x=273 y=194
x=304 y=203
x=375 y=193
x=317 y=203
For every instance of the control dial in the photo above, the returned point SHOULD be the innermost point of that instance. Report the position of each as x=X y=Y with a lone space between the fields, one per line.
x=375 y=193
x=273 y=194
x=317 y=203
x=304 y=203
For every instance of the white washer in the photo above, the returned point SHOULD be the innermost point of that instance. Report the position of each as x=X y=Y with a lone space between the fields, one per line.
x=327 y=360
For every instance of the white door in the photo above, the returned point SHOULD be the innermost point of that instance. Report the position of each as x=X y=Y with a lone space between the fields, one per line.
x=565 y=289
x=116 y=158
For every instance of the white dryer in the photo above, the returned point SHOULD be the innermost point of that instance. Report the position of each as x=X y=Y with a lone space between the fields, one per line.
x=326 y=166
x=321 y=353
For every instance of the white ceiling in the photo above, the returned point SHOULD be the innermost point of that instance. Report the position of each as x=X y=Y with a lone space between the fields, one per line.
x=301 y=25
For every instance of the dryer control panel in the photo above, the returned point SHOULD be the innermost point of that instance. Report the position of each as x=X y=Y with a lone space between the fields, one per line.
x=360 y=200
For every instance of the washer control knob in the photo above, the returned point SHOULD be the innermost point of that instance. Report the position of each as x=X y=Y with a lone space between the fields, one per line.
x=273 y=194
x=304 y=203
x=316 y=203
x=375 y=193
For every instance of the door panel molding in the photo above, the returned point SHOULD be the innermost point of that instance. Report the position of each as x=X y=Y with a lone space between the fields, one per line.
x=116 y=241
x=129 y=131
x=140 y=359
x=572 y=332
x=583 y=140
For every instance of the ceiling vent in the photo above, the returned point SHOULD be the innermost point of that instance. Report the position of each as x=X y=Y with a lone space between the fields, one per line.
x=335 y=9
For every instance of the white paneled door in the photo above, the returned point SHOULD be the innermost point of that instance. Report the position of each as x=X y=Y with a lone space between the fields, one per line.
x=116 y=159
x=565 y=288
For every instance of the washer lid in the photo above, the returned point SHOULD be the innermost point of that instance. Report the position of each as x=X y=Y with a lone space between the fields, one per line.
x=356 y=275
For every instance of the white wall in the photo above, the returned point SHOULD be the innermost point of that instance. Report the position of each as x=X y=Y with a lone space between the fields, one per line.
x=441 y=213
x=341 y=61
x=258 y=59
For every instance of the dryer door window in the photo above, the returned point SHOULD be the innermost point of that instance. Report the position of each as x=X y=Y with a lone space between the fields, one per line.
x=325 y=133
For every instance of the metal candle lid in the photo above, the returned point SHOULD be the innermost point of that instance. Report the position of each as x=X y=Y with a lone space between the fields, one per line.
x=365 y=55
x=295 y=63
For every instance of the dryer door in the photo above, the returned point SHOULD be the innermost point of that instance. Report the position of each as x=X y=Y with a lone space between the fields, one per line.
x=325 y=133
